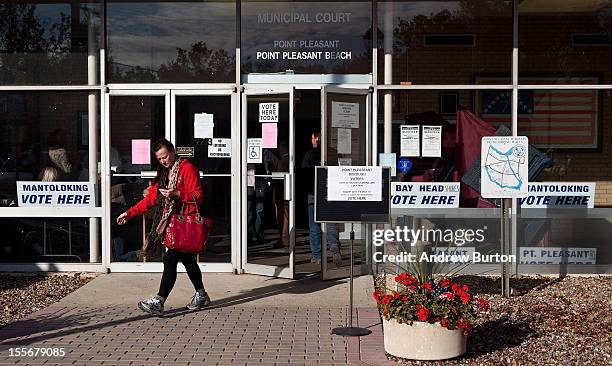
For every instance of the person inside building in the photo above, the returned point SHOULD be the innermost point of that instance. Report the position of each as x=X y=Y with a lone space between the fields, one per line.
x=58 y=154
x=175 y=188
x=282 y=206
x=311 y=160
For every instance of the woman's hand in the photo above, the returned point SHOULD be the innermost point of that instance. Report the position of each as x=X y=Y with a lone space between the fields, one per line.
x=170 y=193
x=122 y=219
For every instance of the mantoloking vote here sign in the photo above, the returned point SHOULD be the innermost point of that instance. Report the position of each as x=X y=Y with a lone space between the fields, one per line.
x=559 y=195
x=55 y=194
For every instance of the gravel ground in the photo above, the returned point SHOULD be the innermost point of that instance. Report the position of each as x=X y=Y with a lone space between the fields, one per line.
x=548 y=321
x=23 y=294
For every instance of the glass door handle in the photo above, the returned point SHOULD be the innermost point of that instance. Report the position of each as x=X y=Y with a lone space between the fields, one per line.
x=288 y=180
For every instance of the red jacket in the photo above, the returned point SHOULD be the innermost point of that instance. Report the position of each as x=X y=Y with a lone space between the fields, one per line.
x=188 y=184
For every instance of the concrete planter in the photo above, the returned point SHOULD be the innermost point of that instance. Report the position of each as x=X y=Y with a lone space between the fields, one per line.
x=422 y=341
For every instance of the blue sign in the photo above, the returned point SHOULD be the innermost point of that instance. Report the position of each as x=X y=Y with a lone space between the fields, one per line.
x=404 y=165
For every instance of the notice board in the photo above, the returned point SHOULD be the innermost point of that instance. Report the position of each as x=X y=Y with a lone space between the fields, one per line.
x=350 y=211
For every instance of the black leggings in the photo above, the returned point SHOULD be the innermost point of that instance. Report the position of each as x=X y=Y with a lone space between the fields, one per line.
x=171 y=259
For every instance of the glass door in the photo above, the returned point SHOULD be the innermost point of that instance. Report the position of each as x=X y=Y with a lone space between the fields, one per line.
x=268 y=236
x=346 y=140
x=214 y=150
x=137 y=118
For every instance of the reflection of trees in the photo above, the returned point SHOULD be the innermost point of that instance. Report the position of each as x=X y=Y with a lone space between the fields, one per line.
x=198 y=64
x=461 y=18
x=35 y=51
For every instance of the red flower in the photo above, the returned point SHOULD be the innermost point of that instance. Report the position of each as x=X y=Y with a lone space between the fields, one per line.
x=465 y=288
x=386 y=299
x=445 y=282
x=455 y=288
x=404 y=298
x=445 y=322
x=423 y=314
x=449 y=295
x=484 y=304
x=464 y=325
x=465 y=297
x=428 y=286
x=396 y=295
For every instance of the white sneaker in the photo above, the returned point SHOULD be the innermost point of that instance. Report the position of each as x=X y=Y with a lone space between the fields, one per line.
x=198 y=301
x=154 y=305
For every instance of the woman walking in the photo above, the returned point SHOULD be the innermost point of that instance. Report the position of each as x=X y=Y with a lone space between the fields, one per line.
x=176 y=187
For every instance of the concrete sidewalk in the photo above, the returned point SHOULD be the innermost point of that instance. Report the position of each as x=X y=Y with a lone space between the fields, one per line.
x=253 y=320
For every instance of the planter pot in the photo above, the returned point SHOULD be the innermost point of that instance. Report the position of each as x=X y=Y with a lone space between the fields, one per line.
x=422 y=341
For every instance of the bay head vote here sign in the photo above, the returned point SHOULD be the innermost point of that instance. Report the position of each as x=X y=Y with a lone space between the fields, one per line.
x=55 y=194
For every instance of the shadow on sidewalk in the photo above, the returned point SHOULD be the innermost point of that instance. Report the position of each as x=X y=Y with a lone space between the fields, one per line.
x=60 y=322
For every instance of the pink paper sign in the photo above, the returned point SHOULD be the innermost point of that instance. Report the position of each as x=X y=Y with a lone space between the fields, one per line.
x=269 y=133
x=141 y=151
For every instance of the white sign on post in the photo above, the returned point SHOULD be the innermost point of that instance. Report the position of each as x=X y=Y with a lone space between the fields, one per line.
x=432 y=141
x=55 y=194
x=268 y=112
x=254 y=151
x=354 y=183
x=559 y=195
x=425 y=195
x=345 y=115
x=503 y=166
x=220 y=148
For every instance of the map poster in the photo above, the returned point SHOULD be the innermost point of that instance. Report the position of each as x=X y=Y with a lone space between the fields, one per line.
x=503 y=166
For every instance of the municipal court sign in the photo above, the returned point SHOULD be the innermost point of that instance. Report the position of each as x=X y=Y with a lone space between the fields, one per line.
x=55 y=194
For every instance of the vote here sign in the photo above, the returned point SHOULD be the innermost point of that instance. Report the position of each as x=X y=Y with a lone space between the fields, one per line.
x=55 y=194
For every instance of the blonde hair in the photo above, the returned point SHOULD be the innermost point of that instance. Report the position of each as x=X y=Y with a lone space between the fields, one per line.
x=48 y=174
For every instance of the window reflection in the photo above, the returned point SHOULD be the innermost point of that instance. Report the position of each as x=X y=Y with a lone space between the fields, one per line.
x=565 y=42
x=444 y=42
x=171 y=42
x=47 y=43
x=43 y=137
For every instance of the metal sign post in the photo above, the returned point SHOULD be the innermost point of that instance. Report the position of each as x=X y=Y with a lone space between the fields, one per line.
x=349 y=210
x=504 y=175
x=506 y=211
x=351 y=331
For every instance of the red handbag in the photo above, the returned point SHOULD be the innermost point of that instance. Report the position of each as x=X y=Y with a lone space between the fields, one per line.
x=188 y=234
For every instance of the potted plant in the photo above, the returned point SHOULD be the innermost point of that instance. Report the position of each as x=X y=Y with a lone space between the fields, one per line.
x=425 y=318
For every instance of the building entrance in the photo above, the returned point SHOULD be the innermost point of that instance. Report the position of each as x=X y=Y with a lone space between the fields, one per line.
x=282 y=124
x=257 y=184
x=138 y=117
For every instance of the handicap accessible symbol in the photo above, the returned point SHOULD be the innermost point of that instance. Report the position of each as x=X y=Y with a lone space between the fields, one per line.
x=404 y=165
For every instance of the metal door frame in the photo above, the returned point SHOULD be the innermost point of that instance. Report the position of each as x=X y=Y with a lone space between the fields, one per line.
x=267 y=270
x=169 y=126
x=328 y=274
